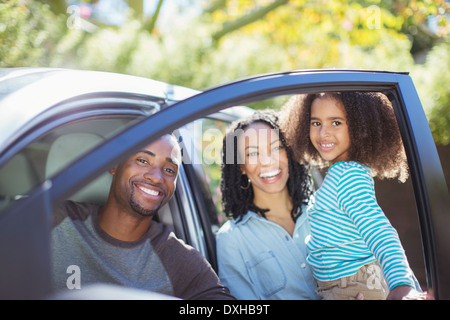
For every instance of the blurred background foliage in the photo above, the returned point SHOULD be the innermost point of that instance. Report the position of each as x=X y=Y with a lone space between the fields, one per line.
x=200 y=44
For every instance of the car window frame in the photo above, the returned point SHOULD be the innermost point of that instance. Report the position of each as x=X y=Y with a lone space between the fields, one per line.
x=241 y=92
x=201 y=193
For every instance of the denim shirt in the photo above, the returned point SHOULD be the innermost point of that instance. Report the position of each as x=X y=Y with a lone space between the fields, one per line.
x=258 y=259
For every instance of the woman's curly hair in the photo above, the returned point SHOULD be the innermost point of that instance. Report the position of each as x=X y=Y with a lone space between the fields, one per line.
x=236 y=200
x=374 y=134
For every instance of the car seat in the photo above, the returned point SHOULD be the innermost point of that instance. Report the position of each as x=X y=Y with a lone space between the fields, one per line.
x=16 y=179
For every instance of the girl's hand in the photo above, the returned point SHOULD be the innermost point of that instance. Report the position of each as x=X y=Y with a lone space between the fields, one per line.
x=404 y=292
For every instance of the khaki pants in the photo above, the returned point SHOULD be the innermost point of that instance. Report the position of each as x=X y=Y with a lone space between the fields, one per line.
x=368 y=280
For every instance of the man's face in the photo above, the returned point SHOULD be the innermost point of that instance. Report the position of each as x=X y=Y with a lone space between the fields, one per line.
x=146 y=180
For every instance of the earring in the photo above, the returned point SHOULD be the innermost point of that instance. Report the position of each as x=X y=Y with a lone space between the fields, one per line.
x=249 y=182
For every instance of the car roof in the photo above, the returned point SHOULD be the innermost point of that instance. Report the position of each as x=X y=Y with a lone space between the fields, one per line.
x=26 y=93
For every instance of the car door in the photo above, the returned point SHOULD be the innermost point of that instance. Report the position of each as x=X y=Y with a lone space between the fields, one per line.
x=430 y=190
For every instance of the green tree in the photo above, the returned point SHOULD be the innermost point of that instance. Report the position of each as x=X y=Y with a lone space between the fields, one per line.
x=233 y=39
x=408 y=16
x=431 y=80
x=26 y=37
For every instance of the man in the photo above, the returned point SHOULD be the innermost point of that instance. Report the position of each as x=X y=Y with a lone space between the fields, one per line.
x=120 y=243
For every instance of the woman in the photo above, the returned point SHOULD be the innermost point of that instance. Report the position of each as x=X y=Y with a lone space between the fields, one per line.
x=261 y=251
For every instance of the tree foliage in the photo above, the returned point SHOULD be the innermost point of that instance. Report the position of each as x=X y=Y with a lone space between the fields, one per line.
x=233 y=39
x=26 y=37
x=432 y=81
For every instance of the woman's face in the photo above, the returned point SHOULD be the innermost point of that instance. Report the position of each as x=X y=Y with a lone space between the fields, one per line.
x=265 y=158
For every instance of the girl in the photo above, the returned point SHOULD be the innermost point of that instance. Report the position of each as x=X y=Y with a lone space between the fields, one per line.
x=261 y=251
x=356 y=134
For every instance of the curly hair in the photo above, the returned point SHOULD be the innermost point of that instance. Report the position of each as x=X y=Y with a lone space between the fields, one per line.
x=374 y=134
x=236 y=200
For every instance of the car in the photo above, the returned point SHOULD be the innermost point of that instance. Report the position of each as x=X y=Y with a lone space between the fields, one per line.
x=62 y=129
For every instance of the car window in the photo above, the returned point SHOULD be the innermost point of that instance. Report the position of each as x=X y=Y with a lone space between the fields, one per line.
x=201 y=142
x=204 y=138
x=397 y=200
x=52 y=152
x=213 y=131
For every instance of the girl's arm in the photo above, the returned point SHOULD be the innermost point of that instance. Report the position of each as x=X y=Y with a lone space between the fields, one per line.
x=357 y=198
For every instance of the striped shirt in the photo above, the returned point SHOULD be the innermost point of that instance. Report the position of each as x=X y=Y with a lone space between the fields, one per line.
x=349 y=229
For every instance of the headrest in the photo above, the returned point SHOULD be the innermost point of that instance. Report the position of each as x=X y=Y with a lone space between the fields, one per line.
x=17 y=177
x=68 y=148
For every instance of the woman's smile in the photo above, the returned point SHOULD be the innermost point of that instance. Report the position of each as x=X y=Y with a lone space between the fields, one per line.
x=271 y=176
x=266 y=163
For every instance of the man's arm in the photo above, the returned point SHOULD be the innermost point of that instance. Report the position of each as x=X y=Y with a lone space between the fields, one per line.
x=191 y=275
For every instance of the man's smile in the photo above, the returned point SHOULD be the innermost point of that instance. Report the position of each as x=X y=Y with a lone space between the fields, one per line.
x=149 y=190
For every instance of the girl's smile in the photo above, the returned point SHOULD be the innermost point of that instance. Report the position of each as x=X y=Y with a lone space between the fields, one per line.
x=326 y=146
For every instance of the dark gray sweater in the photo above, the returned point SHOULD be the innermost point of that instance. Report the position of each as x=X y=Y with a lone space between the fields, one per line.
x=159 y=262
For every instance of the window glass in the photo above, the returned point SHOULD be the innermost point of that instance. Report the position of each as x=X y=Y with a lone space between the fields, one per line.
x=52 y=152
x=202 y=147
x=397 y=200
x=212 y=140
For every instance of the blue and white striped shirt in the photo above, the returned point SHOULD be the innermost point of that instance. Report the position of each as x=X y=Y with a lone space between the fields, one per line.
x=259 y=260
x=349 y=229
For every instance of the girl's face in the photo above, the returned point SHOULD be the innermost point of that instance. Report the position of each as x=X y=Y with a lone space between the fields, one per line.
x=265 y=158
x=328 y=129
